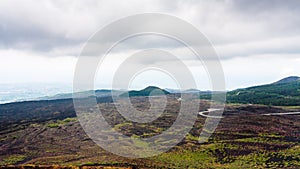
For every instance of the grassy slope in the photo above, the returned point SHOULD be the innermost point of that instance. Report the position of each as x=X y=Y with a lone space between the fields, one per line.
x=279 y=94
x=275 y=94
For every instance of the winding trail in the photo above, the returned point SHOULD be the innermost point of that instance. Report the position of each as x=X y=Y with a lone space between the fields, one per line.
x=204 y=113
x=208 y=111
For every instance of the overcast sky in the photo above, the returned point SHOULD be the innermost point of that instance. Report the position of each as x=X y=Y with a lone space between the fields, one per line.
x=257 y=41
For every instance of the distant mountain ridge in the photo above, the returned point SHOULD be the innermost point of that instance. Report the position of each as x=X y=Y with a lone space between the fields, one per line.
x=98 y=93
x=284 y=92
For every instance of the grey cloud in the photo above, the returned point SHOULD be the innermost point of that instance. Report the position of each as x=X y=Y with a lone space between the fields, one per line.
x=45 y=25
x=230 y=25
x=258 y=6
x=279 y=18
x=36 y=40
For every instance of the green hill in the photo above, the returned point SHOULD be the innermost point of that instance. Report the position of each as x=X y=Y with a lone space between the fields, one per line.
x=285 y=92
x=151 y=90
